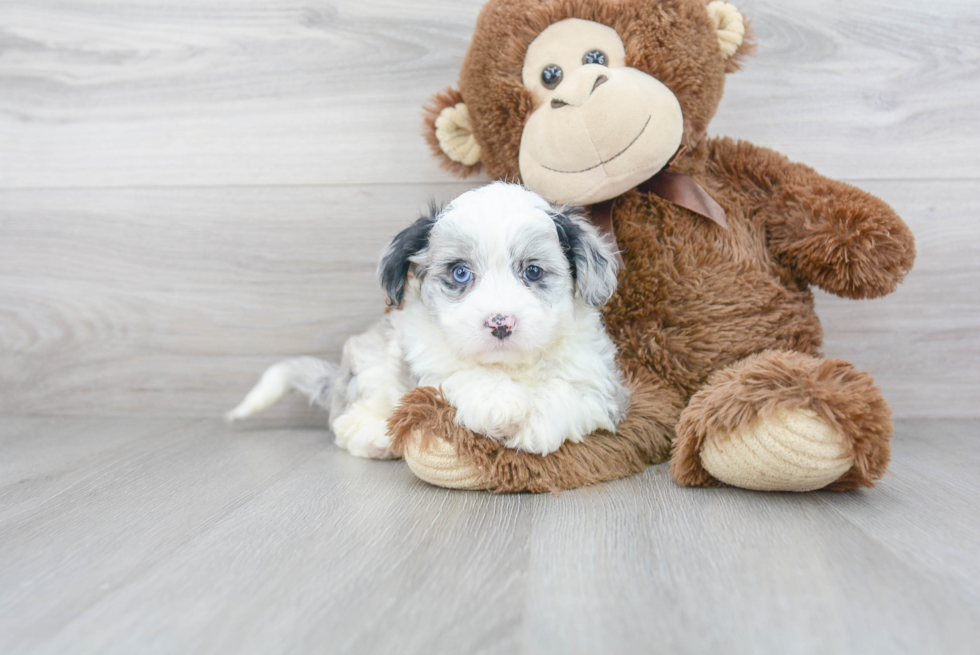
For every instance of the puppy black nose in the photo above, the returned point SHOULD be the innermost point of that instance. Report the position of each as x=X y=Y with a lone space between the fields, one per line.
x=501 y=326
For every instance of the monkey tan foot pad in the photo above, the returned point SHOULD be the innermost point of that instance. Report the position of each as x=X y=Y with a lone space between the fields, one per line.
x=794 y=450
x=439 y=464
x=447 y=455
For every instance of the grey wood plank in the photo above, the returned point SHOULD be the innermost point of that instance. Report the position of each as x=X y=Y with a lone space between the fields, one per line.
x=212 y=540
x=859 y=90
x=94 y=532
x=217 y=93
x=925 y=510
x=34 y=447
x=338 y=555
x=45 y=463
x=643 y=565
x=137 y=301
x=16 y=429
x=239 y=93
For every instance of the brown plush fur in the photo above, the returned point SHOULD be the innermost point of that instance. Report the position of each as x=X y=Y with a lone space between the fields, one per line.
x=721 y=322
x=643 y=438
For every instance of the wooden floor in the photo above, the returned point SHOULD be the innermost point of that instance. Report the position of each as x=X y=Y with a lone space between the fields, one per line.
x=135 y=535
x=190 y=191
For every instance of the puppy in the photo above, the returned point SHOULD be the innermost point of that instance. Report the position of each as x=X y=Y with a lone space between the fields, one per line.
x=498 y=298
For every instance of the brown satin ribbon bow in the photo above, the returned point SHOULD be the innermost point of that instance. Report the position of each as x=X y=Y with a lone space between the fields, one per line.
x=677 y=188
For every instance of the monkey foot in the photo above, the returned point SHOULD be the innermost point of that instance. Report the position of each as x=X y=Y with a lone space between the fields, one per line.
x=784 y=421
x=438 y=463
x=794 y=450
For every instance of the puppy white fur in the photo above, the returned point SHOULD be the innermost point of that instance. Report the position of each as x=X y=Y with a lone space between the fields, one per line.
x=498 y=296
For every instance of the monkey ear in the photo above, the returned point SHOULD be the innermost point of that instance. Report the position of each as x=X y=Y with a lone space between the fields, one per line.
x=449 y=133
x=734 y=34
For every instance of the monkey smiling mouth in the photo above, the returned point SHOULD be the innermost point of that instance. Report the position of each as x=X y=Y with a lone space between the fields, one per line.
x=602 y=163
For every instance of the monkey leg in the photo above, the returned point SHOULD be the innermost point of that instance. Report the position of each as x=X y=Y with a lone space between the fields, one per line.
x=448 y=455
x=784 y=421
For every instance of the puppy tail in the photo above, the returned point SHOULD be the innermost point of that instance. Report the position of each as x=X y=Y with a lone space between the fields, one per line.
x=308 y=375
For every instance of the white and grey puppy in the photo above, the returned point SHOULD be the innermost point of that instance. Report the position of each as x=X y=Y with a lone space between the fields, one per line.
x=498 y=296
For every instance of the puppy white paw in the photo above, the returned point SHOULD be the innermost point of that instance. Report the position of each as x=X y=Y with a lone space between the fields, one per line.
x=496 y=411
x=363 y=434
x=539 y=436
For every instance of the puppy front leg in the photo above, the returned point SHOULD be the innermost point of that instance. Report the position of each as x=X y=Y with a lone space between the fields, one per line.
x=365 y=395
x=560 y=412
x=363 y=429
x=488 y=402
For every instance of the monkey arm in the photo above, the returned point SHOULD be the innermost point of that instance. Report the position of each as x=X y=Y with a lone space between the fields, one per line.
x=446 y=454
x=844 y=240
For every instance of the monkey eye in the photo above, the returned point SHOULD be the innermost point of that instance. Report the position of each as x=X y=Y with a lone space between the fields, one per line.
x=533 y=273
x=551 y=76
x=594 y=57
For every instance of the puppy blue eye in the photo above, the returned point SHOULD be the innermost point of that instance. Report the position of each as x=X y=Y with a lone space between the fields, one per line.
x=533 y=273
x=462 y=275
x=594 y=57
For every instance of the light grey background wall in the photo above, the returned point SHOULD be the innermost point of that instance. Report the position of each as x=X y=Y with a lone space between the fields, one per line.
x=191 y=190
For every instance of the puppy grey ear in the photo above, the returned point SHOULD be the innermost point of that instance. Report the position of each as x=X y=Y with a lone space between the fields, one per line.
x=396 y=262
x=591 y=258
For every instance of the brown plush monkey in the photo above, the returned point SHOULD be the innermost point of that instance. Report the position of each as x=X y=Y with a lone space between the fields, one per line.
x=589 y=102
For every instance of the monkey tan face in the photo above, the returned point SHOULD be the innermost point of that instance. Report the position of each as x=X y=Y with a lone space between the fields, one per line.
x=599 y=128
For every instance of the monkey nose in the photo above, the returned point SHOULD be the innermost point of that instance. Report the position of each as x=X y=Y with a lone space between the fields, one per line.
x=500 y=326
x=577 y=92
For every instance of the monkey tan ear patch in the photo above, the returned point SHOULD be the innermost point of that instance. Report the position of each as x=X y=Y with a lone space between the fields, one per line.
x=455 y=135
x=448 y=131
x=729 y=24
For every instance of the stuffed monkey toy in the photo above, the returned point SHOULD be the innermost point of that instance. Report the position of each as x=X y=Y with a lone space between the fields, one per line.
x=605 y=104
